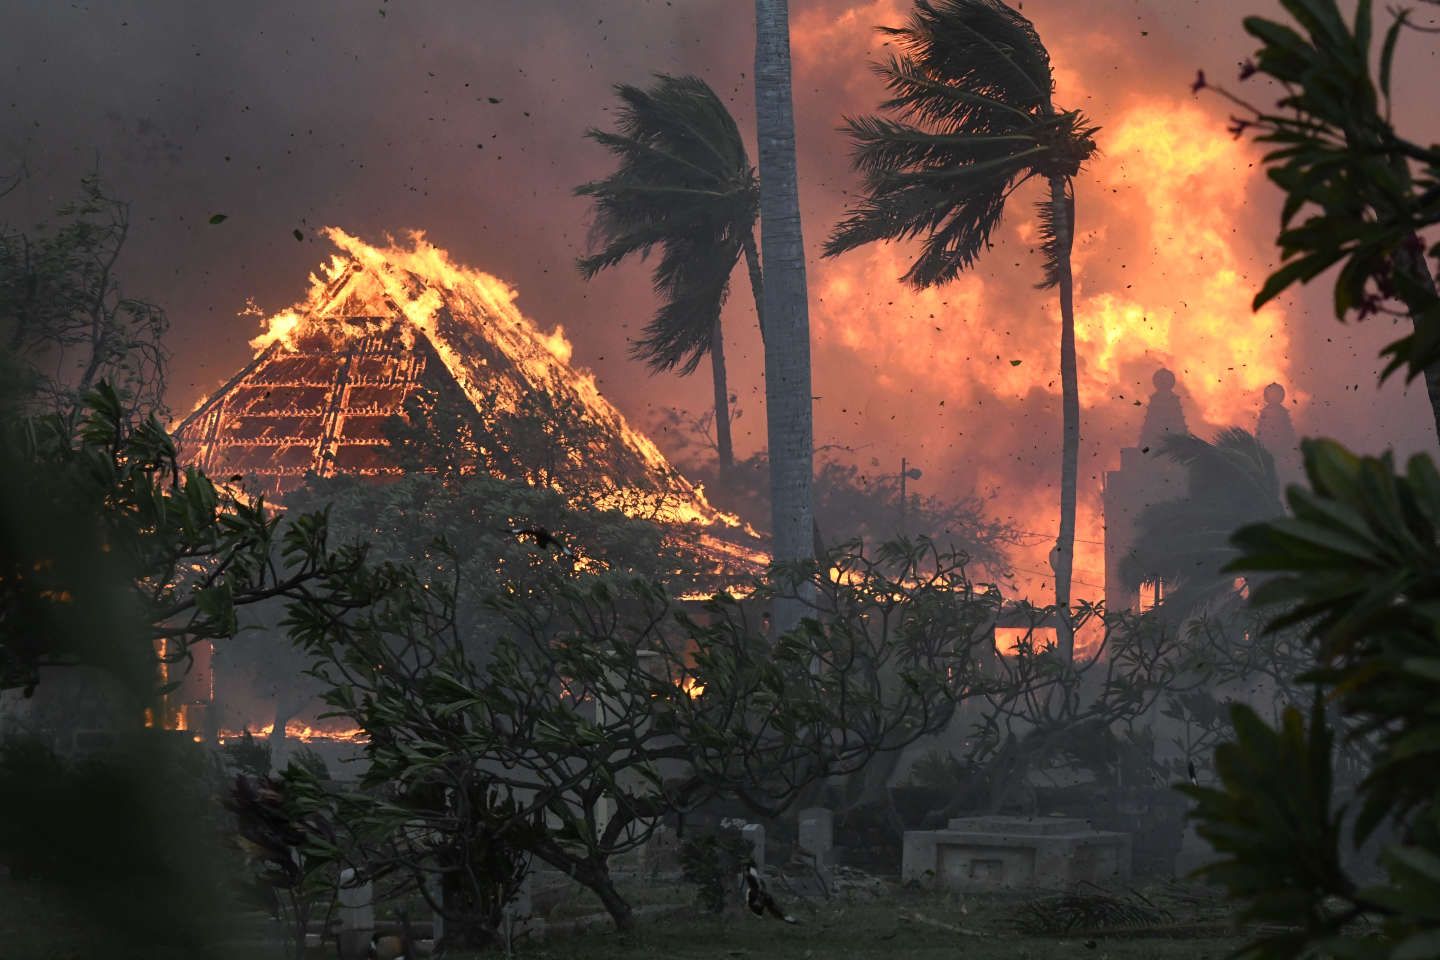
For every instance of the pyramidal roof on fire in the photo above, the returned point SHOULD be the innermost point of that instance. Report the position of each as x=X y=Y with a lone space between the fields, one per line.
x=379 y=325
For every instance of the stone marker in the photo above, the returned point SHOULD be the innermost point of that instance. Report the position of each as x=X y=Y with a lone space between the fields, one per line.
x=817 y=835
x=977 y=853
x=754 y=836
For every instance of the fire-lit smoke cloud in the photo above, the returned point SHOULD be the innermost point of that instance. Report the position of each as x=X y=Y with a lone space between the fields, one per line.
x=1164 y=277
x=465 y=120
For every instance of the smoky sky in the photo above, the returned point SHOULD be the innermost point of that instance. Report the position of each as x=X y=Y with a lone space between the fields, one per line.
x=466 y=119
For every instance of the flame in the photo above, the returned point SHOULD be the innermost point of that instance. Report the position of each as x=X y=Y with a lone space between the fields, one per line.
x=295 y=730
x=1163 y=277
x=1188 y=183
x=1009 y=640
x=281 y=327
x=422 y=284
x=692 y=686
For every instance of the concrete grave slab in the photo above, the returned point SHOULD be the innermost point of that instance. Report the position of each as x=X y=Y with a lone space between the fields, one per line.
x=980 y=853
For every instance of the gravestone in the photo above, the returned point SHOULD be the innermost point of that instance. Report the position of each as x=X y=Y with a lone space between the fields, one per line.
x=754 y=836
x=817 y=835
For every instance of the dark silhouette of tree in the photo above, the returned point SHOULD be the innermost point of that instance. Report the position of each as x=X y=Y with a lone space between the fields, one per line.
x=788 y=407
x=685 y=184
x=65 y=326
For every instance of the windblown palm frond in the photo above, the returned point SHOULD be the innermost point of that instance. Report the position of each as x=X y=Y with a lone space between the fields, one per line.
x=981 y=47
x=971 y=85
x=684 y=183
x=1185 y=543
x=1052 y=246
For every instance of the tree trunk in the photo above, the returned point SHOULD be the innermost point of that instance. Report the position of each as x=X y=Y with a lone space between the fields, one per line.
x=724 y=448
x=1063 y=205
x=467 y=925
x=757 y=289
x=599 y=881
x=786 y=308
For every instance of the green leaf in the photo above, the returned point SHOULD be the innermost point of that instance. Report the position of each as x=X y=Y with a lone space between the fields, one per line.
x=1387 y=50
x=1302 y=271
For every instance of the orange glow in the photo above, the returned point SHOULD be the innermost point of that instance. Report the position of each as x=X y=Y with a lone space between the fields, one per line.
x=295 y=730
x=419 y=284
x=692 y=686
x=1008 y=640
x=1188 y=182
x=1162 y=279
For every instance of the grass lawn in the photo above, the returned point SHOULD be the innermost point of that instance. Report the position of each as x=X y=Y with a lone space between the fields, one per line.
x=39 y=924
x=871 y=929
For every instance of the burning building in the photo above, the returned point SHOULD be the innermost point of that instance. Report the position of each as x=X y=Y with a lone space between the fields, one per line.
x=384 y=329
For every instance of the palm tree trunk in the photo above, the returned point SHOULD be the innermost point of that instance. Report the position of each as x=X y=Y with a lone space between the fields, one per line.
x=1063 y=207
x=723 y=446
x=786 y=303
x=757 y=289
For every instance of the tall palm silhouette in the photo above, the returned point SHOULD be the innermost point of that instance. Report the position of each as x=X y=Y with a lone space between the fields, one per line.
x=685 y=184
x=971 y=87
x=1185 y=543
x=788 y=406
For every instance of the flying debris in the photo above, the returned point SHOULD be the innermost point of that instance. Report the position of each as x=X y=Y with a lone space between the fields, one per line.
x=758 y=899
x=299 y=237
x=218 y=218
x=1194 y=780
x=543 y=538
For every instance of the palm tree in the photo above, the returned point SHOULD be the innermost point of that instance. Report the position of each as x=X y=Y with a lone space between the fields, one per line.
x=786 y=311
x=971 y=86
x=1184 y=544
x=684 y=184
